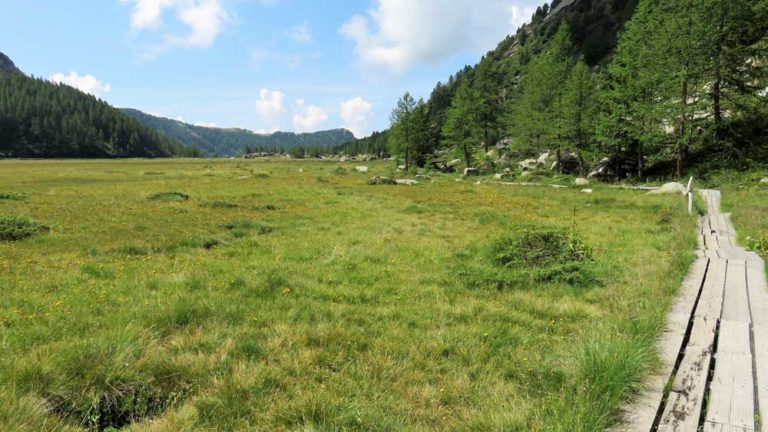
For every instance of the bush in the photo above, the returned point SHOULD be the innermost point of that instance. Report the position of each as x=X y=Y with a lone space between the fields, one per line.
x=759 y=245
x=200 y=242
x=541 y=247
x=169 y=197
x=133 y=250
x=244 y=225
x=12 y=196
x=13 y=228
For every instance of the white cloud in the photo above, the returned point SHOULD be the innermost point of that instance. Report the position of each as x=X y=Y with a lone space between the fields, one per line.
x=398 y=34
x=301 y=33
x=203 y=19
x=357 y=113
x=86 y=83
x=310 y=117
x=271 y=108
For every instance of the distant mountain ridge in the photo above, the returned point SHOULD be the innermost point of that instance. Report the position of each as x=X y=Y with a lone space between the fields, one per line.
x=221 y=142
x=40 y=119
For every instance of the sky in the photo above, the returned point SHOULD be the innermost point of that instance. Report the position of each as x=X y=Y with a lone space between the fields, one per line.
x=263 y=65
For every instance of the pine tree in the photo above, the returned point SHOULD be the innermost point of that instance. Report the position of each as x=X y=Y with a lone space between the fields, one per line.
x=401 y=135
x=578 y=110
x=460 y=129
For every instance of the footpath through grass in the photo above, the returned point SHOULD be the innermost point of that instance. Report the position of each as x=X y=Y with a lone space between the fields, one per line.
x=227 y=295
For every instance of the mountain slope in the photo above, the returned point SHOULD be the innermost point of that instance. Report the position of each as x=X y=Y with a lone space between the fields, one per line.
x=220 y=142
x=39 y=119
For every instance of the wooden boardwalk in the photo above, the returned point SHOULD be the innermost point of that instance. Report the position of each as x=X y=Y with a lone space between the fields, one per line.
x=714 y=350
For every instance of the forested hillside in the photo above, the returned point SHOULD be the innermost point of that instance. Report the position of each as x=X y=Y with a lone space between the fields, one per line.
x=655 y=86
x=39 y=119
x=218 y=142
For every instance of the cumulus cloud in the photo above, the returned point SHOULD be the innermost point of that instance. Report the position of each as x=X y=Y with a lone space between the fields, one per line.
x=396 y=35
x=86 y=83
x=203 y=20
x=301 y=33
x=271 y=108
x=309 y=118
x=357 y=113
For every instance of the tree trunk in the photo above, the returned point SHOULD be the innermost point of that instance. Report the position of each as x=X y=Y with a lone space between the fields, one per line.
x=467 y=156
x=717 y=79
x=407 y=155
x=485 y=136
x=559 y=161
x=640 y=161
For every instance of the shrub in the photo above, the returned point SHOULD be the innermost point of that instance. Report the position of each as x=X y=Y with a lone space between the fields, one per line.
x=220 y=205
x=245 y=225
x=133 y=250
x=200 y=242
x=541 y=247
x=14 y=227
x=12 y=196
x=169 y=197
x=759 y=245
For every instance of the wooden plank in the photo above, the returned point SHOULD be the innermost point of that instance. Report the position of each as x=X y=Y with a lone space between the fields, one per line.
x=718 y=427
x=736 y=301
x=685 y=401
x=731 y=397
x=757 y=287
x=711 y=300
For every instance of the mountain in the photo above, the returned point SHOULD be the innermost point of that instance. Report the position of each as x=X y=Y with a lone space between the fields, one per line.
x=6 y=65
x=219 y=142
x=594 y=27
x=39 y=119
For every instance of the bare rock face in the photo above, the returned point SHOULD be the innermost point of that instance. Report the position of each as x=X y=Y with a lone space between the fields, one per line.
x=670 y=189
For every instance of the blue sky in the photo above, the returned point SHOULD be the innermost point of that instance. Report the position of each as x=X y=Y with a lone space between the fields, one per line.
x=265 y=65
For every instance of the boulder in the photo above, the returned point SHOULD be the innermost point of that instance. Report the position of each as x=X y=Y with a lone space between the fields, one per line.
x=581 y=182
x=454 y=163
x=406 y=182
x=602 y=170
x=543 y=158
x=471 y=172
x=764 y=181
x=401 y=167
x=502 y=176
x=670 y=189
x=361 y=169
x=503 y=144
x=525 y=174
x=587 y=190
x=529 y=164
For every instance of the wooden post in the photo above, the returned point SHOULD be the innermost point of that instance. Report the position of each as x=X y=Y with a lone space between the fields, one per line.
x=689 y=195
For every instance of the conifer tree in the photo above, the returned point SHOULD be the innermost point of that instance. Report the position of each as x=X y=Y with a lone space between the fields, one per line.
x=460 y=129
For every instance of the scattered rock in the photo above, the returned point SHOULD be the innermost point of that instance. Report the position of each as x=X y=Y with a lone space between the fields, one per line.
x=529 y=164
x=401 y=167
x=525 y=174
x=454 y=163
x=503 y=144
x=764 y=181
x=670 y=189
x=377 y=180
x=581 y=182
x=602 y=170
x=422 y=177
x=543 y=158
x=406 y=182
x=471 y=172
x=587 y=190
x=478 y=183
x=301 y=170
x=502 y=176
x=361 y=169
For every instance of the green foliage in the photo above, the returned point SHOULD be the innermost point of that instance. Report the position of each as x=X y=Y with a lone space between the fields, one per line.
x=39 y=119
x=541 y=247
x=461 y=127
x=12 y=196
x=17 y=227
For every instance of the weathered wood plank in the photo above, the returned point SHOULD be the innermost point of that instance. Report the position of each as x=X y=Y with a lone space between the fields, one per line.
x=736 y=301
x=685 y=401
x=757 y=287
x=718 y=427
x=731 y=397
x=711 y=301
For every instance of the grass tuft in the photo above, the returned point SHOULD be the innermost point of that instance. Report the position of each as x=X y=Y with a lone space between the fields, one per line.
x=169 y=197
x=12 y=196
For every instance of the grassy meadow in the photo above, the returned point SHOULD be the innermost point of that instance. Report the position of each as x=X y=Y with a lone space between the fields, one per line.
x=747 y=199
x=291 y=295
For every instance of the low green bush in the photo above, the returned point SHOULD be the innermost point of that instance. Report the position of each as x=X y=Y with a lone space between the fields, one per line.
x=16 y=227
x=169 y=197
x=12 y=196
